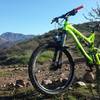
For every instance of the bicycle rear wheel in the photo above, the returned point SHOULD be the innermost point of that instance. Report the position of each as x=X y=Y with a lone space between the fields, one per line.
x=42 y=77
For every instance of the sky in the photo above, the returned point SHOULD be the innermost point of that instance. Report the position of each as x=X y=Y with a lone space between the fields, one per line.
x=34 y=16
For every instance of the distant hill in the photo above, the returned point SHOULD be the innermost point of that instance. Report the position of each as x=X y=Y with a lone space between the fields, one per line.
x=2 y=40
x=86 y=27
x=21 y=52
x=15 y=37
x=5 y=43
x=8 y=39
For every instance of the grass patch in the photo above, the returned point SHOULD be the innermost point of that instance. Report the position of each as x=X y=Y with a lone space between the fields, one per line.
x=17 y=58
x=31 y=94
x=45 y=56
x=5 y=73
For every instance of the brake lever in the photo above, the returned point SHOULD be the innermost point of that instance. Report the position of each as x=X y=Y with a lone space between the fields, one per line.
x=56 y=19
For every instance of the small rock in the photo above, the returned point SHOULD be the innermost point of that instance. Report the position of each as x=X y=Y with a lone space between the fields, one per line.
x=70 y=88
x=89 y=77
x=10 y=85
x=46 y=82
x=93 y=85
x=27 y=84
x=63 y=77
x=4 y=85
x=20 y=83
x=80 y=84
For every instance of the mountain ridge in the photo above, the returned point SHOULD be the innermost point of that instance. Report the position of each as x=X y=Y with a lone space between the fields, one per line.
x=10 y=36
x=8 y=39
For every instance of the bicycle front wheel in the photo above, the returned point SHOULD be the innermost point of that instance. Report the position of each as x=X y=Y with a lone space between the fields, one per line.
x=42 y=77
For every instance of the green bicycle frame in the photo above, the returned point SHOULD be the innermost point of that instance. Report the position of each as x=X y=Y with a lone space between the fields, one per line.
x=94 y=55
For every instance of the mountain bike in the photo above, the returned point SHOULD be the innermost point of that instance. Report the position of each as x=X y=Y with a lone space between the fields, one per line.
x=51 y=66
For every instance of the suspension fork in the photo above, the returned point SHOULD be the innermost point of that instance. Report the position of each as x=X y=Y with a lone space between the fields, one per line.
x=54 y=64
x=61 y=42
x=57 y=58
x=56 y=61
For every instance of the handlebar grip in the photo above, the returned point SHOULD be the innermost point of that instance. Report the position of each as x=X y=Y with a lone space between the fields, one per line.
x=78 y=8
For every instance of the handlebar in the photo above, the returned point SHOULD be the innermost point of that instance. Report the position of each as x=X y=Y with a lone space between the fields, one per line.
x=70 y=13
x=78 y=8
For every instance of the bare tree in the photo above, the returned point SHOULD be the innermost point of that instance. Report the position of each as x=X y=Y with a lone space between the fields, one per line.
x=94 y=15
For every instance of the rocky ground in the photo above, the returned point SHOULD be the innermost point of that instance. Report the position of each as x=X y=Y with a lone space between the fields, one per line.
x=15 y=78
x=10 y=75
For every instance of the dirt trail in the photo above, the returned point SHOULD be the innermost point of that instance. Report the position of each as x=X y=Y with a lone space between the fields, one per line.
x=8 y=75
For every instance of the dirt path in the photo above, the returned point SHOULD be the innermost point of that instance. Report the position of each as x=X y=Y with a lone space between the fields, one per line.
x=10 y=75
